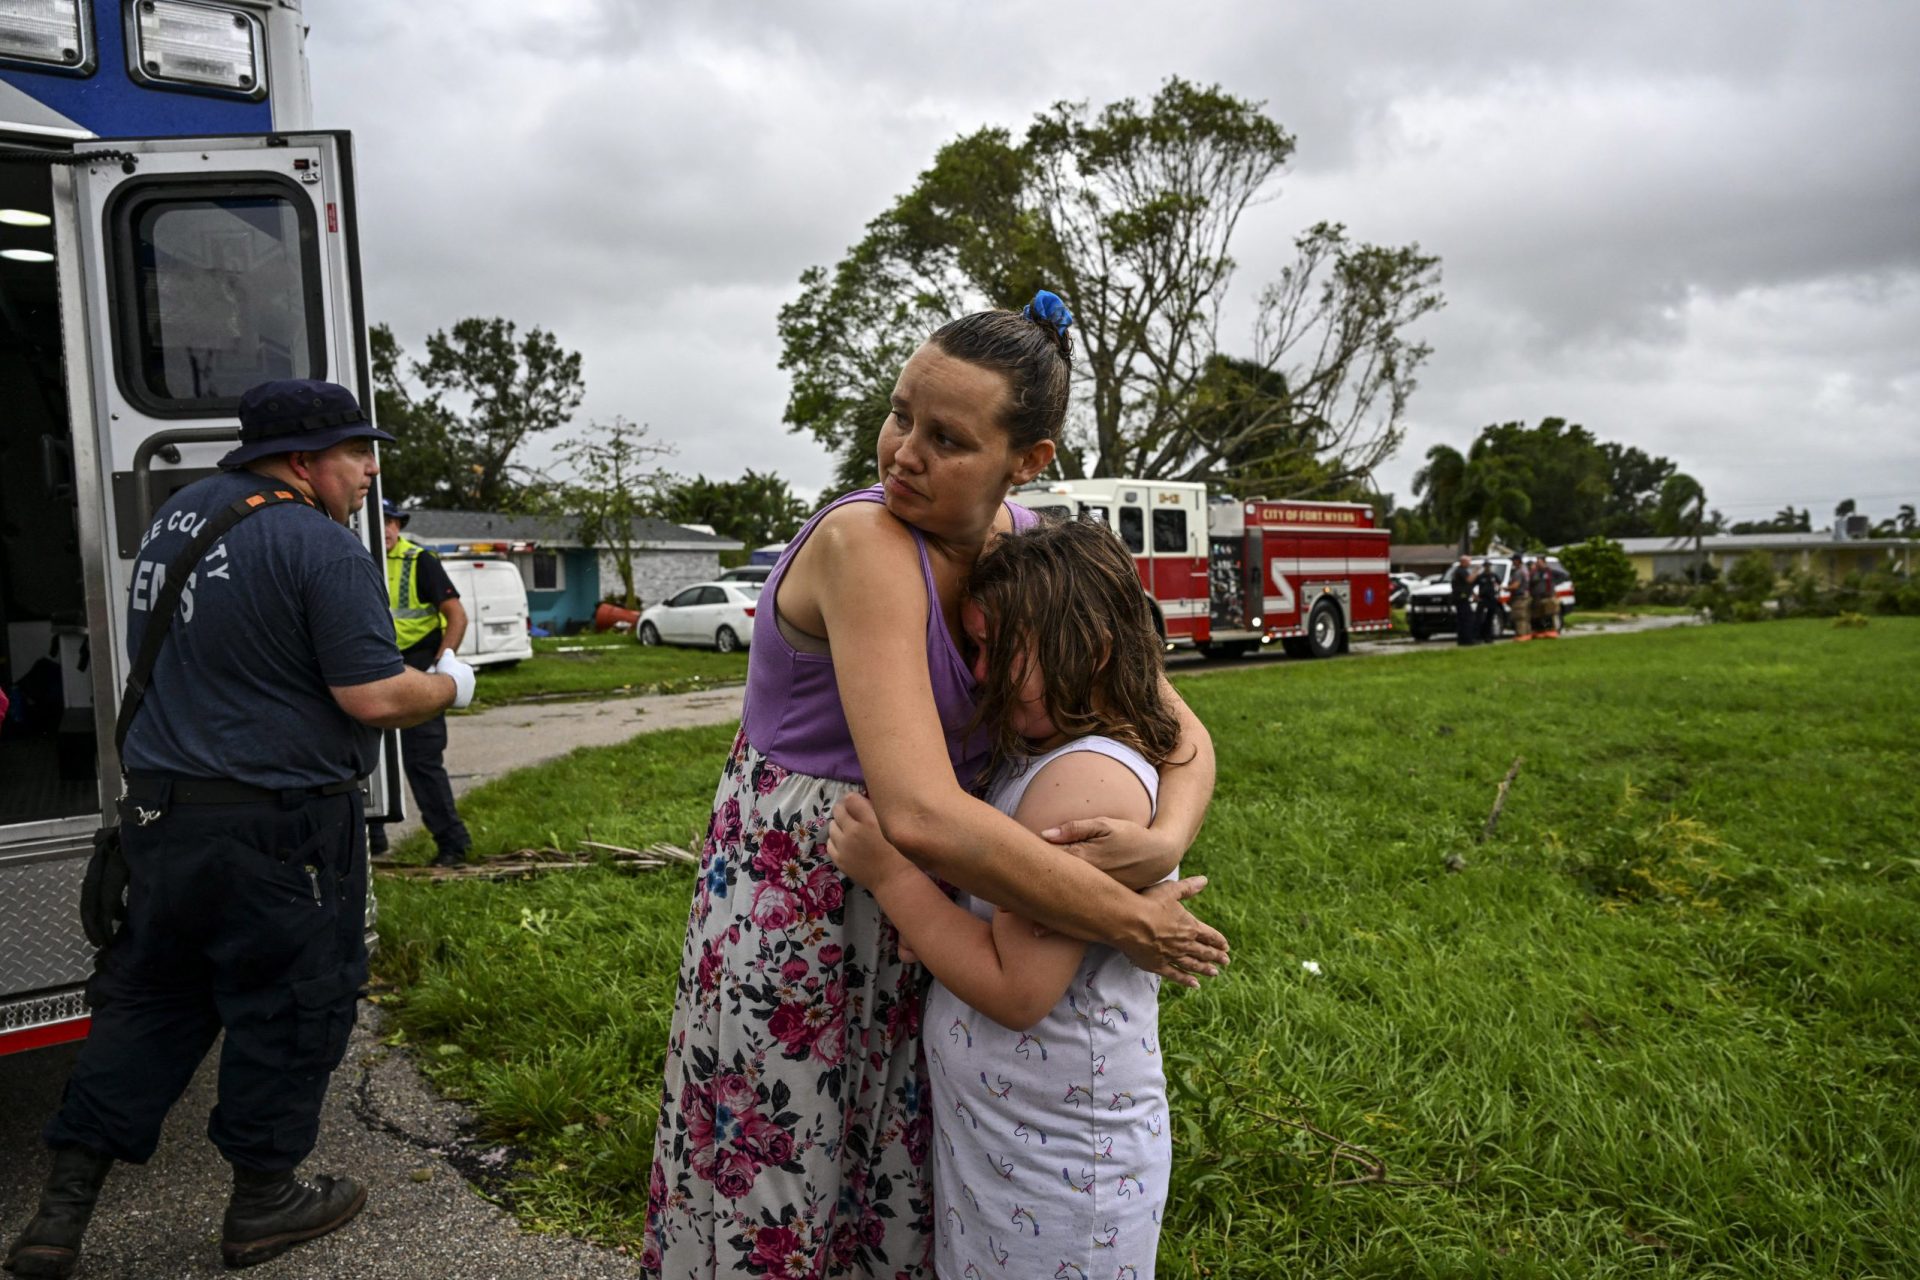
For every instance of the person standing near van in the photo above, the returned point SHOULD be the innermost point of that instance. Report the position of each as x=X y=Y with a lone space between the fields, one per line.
x=1460 y=582
x=1546 y=605
x=242 y=831
x=428 y=620
x=1520 y=602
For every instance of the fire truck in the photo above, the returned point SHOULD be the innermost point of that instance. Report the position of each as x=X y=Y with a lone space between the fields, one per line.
x=1227 y=575
x=172 y=232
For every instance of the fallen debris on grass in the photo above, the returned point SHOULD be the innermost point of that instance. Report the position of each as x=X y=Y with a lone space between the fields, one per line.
x=523 y=863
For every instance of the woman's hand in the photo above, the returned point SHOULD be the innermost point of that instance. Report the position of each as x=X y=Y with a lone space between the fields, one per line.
x=1177 y=945
x=860 y=848
x=1134 y=855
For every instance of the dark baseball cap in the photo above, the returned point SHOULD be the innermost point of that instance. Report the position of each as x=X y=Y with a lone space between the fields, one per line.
x=297 y=415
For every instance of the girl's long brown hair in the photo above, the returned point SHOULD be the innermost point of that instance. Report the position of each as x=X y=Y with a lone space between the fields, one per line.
x=1067 y=593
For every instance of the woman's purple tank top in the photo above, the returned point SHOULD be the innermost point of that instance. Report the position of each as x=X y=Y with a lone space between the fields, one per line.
x=793 y=714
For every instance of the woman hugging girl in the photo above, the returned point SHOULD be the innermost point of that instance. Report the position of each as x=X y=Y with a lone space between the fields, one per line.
x=1051 y=1153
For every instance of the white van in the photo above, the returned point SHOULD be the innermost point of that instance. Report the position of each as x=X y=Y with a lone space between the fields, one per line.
x=496 y=600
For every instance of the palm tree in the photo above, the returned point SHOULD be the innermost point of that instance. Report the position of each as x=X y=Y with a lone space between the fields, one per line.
x=1682 y=513
x=1438 y=485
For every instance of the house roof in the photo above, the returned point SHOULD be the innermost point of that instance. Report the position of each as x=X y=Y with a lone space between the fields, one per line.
x=649 y=534
x=1822 y=541
x=1424 y=552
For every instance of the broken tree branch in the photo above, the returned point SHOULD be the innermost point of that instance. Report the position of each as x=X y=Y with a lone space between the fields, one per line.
x=1499 y=801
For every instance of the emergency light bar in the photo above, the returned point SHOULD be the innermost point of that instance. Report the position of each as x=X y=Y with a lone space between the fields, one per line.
x=199 y=46
x=50 y=33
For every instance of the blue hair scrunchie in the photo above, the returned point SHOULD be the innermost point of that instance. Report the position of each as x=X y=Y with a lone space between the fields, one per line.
x=1048 y=309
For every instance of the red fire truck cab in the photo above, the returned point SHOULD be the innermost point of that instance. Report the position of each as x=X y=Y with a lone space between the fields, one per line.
x=1229 y=574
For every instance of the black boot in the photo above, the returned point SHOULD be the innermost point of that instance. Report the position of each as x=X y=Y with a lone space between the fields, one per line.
x=450 y=858
x=51 y=1243
x=272 y=1212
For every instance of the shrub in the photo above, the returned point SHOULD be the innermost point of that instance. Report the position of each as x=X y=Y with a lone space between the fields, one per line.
x=1602 y=574
x=1751 y=579
x=1663 y=591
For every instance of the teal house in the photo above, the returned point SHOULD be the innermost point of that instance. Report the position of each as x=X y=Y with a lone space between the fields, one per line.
x=567 y=578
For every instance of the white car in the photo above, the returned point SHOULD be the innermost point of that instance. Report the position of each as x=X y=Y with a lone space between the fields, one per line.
x=707 y=613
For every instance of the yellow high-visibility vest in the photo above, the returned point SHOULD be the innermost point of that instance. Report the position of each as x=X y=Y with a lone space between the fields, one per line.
x=413 y=618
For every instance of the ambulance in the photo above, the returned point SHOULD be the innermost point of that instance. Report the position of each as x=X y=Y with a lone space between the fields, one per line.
x=173 y=230
x=1227 y=575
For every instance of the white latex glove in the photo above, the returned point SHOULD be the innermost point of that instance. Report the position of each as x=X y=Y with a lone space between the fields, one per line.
x=462 y=675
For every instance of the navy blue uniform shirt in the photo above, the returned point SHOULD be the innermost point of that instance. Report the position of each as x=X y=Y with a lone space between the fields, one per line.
x=285 y=605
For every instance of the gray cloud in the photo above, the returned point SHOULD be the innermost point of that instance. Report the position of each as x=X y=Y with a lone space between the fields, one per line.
x=1689 y=226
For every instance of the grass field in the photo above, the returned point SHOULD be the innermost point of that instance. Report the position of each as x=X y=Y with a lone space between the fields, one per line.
x=598 y=665
x=1661 y=1024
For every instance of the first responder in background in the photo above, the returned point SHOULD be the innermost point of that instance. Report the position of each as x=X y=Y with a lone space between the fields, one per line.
x=428 y=621
x=1546 y=605
x=1460 y=582
x=1486 y=591
x=1520 y=601
x=243 y=833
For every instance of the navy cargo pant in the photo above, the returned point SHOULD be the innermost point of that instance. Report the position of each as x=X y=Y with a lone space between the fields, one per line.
x=424 y=749
x=242 y=918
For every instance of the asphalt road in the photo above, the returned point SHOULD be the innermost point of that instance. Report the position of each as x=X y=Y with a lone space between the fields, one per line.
x=382 y=1125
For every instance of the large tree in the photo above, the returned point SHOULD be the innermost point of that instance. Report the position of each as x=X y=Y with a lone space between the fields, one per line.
x=611 y=480
x=755 y=509
x=485 y=390
x=1128 y=212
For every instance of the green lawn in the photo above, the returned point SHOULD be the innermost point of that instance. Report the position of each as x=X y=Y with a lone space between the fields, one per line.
x=603 y=665
x=1662 y=1024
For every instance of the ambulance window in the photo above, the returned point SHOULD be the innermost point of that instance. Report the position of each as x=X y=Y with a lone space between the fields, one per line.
x=1170 y=529
x=1133 y=529
x=216 y=291
x=1090 y=512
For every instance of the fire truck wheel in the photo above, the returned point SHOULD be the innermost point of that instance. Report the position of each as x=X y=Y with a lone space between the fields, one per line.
x=1326 y=634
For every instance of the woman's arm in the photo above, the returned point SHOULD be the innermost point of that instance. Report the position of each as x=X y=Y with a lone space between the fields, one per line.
x=864 y=580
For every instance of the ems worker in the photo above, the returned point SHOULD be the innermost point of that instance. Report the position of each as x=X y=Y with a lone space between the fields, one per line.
x=1486 y=590
x=1460 y=581
x=243 y=833
x=1520 y=601
x=421 y=598
x=1546 y=605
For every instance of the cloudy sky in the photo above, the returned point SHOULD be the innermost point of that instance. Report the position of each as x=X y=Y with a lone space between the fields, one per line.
x=1693 y=227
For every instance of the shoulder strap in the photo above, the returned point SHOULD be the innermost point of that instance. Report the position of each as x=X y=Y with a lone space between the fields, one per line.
x=161 y=618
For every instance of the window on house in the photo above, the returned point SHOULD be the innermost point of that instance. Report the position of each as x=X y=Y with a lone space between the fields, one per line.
x=544 y=572
x=1170 y=530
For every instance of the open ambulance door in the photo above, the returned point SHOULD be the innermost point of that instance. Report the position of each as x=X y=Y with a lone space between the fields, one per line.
x=193 y=269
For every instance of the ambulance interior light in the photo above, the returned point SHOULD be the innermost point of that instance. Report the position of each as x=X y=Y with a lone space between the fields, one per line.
x=24 y=218
x=200 y=46
x=53 y=32
x=26 y=255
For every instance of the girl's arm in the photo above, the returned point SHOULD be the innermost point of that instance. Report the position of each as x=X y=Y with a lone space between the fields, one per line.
x=1139 y=856
x=1001 y=968
x=863 y=574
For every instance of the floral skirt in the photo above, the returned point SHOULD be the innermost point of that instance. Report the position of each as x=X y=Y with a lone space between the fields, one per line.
x=793 y=1132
